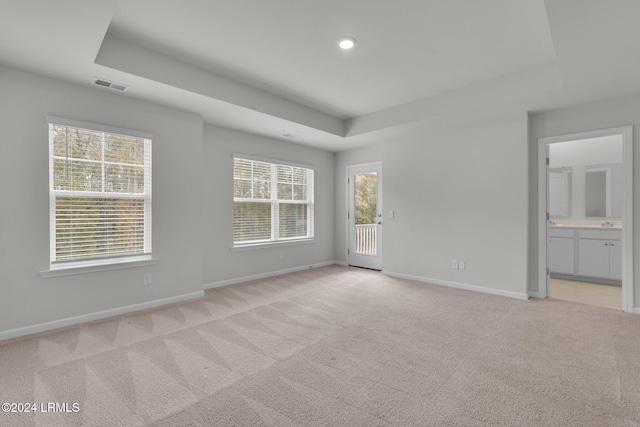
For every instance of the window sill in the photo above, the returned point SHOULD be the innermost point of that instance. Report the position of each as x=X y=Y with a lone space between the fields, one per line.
x=271 y=245
x=69 y=271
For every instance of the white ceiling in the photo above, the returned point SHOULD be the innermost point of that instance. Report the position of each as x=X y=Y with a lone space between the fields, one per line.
x=273 y=67
x=406 y=49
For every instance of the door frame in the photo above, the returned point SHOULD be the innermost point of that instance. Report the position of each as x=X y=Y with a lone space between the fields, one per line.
x=349 y=168
x=627 y=207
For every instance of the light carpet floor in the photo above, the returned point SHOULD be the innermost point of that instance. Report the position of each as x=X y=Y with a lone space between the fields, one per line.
x=335 y=346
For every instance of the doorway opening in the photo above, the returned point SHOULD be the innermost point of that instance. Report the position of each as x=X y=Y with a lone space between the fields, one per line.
x=364 y=215
x=585 y=207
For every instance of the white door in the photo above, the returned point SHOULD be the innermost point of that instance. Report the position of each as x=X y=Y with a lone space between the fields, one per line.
x=365 y=215
x=544 y=289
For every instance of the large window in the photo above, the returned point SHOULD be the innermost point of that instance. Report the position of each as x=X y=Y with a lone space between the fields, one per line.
x=99 y=192
x=272 y=201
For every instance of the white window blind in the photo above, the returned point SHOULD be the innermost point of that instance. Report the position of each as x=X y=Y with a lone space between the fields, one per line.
x=99 y=192
x=272 y=201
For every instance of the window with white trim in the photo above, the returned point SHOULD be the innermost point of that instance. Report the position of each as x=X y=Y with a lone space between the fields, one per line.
x=99 y=194
x=272 y=201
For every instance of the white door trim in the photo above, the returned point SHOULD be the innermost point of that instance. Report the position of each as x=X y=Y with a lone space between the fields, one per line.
x=627 y=207
x=351 y=169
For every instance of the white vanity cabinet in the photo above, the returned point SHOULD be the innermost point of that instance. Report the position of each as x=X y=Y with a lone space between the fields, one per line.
x=615 y=260
x=600 y=253
x=561 y=251
x=593 y=258
x=587 y=253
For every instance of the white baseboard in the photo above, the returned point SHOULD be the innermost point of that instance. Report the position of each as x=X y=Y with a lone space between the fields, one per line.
x=70 y=321
x=534 y=294
x=265 y=275
x=446 y=283
x=636 y=310
x=342 y=263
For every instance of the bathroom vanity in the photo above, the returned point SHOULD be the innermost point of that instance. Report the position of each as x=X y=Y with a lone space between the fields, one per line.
x=585 y=253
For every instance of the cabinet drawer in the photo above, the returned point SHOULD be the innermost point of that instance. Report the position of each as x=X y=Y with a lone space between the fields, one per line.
x=600 y=234
x=562 y=232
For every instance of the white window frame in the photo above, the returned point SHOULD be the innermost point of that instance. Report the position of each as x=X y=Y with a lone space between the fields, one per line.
x=107 y=263
x=275 y=204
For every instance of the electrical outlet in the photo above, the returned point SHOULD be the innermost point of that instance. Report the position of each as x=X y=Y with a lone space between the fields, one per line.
x=147 y=279
x=462 y=265
x=454 y=263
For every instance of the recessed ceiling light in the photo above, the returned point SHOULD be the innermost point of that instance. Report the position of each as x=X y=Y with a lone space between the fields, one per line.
x=347 y=43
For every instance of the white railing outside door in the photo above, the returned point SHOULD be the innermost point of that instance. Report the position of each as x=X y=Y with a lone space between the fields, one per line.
x=366 y=239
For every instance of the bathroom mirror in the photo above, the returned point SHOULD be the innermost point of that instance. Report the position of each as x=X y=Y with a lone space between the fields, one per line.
x=560 y=192
x=603 y=191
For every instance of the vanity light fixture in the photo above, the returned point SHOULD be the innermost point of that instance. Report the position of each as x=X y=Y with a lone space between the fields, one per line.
x=347 y=43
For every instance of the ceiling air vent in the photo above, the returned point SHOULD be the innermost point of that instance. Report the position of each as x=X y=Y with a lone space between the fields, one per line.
x=110 y=85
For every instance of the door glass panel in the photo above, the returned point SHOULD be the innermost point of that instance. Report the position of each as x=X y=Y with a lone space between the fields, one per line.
x=366 y=200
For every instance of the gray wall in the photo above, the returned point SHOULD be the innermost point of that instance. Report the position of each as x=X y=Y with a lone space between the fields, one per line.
x=593 y=116
x=220 y=263
x=26 y=299
x=459 y=196
x=456 y=195
x=192 y=203
x=467 y=194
